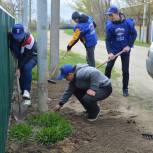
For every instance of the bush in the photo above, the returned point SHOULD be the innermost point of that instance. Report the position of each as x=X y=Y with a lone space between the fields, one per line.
x=20 y=132
x=52 y=135
x=52 y=127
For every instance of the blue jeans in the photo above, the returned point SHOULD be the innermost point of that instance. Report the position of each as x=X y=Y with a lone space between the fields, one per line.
x=26 y=74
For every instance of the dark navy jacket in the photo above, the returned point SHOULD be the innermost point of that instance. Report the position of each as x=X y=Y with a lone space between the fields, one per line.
x=23 y=51
x=120 y=34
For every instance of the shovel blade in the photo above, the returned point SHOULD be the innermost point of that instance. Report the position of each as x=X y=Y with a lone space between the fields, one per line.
x=20 y=111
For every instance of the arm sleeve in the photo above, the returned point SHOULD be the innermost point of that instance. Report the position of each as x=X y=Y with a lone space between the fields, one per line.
x=108 y=41
x=133 y=36
x=75 y=37
x=67 y=94
x=94 y=84
x=94 y=24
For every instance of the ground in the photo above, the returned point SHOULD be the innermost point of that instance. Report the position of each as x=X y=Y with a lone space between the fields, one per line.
x=116 y=130
x=123 y=121
x=140 y=83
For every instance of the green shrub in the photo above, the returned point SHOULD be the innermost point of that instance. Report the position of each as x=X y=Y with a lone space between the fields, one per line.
x=54 y=134
x=46 y=119
x=52 y=127
x=20 y=132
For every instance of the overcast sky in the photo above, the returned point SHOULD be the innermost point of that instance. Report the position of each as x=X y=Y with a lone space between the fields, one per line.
x=65 y=10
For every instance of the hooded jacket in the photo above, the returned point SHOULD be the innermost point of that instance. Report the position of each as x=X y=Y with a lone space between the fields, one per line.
x=120 y=34
x=84 y=30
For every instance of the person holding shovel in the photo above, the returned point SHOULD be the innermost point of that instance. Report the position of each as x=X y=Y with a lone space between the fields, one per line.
x=120 y=36
x=23 y=46
x=88 y=84
x=84 y=30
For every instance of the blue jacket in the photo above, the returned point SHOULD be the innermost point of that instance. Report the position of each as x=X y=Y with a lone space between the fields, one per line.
x=85 y=30
x=120 y=34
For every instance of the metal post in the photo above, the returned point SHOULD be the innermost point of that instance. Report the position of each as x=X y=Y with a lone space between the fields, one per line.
x=42 y=54
x=144 y=21
x=30 y=5
x=152 y=31
x=54 y=33
x=25 y=13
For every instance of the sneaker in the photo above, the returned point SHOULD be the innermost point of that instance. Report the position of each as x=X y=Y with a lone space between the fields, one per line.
x=94 y=117
x=125 y=92
x=26 y=95
x=27 y=102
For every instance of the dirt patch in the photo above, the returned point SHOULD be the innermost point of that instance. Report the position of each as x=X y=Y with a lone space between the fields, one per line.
x=113 y=132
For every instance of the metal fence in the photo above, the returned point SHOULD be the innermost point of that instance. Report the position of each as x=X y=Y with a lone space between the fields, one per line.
x=7 y=65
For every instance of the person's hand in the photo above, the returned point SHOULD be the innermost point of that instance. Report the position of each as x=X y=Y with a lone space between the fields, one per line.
x=68 y=48
x=111 y=56
x=18 y=73
x=126 y=49
x=57 y=108
x=91 y=92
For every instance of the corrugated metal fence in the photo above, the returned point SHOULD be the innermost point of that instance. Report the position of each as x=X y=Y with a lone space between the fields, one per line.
x=6 y=75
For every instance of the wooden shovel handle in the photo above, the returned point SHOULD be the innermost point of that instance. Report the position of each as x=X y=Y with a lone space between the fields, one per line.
x=109 y=59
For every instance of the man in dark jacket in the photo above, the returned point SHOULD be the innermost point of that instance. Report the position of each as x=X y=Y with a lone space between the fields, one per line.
x=120 y=36
x=84 y=30
x=24 y=49
x=88 y=84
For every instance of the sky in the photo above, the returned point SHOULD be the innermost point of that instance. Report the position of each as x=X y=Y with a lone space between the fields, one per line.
x=65 y=9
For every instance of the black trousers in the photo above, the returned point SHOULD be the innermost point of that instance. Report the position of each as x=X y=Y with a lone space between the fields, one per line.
x=90 y=102
x=125 y=58
x=90 y=56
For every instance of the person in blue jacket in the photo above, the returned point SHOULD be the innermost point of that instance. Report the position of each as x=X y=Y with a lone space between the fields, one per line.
x=24 y=48
x=120 y=36
x=84 y=30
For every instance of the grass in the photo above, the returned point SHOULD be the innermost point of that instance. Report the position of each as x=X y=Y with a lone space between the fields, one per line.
x=143 y=44
x=74 y=58
x=20 y=132
x=69 y=31
x=53 y=127
x=45 y=128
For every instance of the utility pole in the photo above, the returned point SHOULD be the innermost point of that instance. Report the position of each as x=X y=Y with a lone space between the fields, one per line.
x=144 y=21
x=152 y=31
x=42 y=54
x=54 y=33
x=25 y=13
x=30 y=5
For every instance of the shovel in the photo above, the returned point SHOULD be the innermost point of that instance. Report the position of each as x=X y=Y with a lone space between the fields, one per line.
x=19 y=109
x=109 y=59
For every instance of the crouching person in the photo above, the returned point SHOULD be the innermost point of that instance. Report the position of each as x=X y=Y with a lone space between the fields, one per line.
x=88 y=84
x=24 y=49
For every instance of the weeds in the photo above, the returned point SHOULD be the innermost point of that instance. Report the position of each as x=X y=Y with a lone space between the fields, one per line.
x=20 y=132
x=51 y=128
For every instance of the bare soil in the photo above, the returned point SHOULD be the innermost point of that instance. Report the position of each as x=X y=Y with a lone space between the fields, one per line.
x=115 y=131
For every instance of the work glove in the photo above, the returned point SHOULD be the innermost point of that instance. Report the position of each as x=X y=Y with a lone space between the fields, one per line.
x=68 y=48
